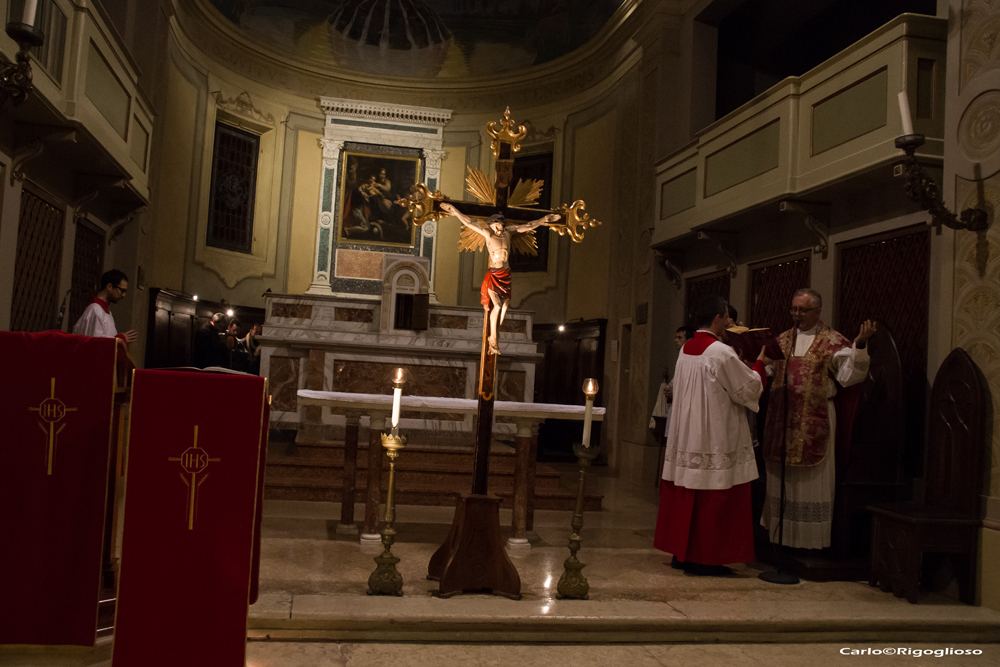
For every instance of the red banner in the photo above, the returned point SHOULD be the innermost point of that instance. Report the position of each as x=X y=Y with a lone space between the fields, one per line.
x=56 y=402
x=190 y=515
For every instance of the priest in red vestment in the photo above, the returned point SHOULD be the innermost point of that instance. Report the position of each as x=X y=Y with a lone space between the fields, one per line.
x=705 y=519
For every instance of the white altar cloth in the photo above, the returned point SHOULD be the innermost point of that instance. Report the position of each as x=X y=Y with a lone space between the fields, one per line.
x=383 y=402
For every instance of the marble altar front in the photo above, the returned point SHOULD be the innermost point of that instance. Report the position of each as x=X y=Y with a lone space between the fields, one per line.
x=351 y=344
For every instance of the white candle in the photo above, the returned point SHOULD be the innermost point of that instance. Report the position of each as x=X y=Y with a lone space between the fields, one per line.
x=904 y=112
x=587 y=418
x=30 y=7
x=397 y=393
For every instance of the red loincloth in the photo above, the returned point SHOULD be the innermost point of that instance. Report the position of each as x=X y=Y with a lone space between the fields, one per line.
x=709 y=527
x=495 y=280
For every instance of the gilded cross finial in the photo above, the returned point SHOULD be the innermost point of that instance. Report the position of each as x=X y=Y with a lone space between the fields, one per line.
x=502 y=133
x=575 y=220
x=420 y=203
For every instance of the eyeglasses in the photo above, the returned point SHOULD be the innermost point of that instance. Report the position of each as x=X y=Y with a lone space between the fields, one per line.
x=120 y=289
x=803 y=311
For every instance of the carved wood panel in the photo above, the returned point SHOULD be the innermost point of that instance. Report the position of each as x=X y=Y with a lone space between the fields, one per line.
x=957 y=435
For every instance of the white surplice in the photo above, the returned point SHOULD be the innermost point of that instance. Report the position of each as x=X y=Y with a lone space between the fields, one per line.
x=809 y=489
x=708 y=442
x=96 y=321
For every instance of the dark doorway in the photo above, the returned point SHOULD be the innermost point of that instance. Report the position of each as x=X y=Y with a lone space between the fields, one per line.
x=571 y=355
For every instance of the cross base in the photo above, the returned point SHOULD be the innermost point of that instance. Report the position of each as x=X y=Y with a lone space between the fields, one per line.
x=472 y=558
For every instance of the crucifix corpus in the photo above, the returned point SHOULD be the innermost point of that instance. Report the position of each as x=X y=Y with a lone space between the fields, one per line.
x=472 y=557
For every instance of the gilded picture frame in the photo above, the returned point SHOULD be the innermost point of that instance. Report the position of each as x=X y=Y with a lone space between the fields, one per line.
x=370 y=184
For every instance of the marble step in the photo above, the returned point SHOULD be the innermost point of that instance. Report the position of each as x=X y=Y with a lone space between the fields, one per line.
x=741 y=620
x=305 y=488
x=406 y=472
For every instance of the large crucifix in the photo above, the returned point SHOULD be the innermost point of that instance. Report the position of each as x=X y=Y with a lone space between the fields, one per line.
x=509 y=223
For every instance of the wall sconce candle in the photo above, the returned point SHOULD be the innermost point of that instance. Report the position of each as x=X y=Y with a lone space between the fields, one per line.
x=904 y=112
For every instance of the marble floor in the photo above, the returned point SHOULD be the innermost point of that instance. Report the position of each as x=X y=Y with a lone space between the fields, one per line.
x=313 y=610
x=303 y=555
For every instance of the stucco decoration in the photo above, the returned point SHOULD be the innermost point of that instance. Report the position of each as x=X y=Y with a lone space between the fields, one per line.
x=980 y=39
x=977 y=298
x=979 y=134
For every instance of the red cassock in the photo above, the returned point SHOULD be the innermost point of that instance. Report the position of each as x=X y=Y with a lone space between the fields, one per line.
x=709 y=527
x=706 y=526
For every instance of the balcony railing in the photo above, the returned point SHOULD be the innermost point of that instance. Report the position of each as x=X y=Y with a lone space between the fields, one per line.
x=90 y=80
x=837 y=120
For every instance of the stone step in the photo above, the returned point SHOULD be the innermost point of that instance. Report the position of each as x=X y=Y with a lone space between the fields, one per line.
x=406 y=472
x=305 y=488
x=486 y=620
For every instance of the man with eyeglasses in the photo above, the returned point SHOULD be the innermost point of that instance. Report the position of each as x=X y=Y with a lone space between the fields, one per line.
x=820 y=361
x=96 y=319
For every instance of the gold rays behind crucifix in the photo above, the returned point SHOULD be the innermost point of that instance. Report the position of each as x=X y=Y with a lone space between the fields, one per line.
x=526 y=193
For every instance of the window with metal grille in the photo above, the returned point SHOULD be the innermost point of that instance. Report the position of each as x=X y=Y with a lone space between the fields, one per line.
x=88 y=265
x=772 y=284
x=36 y=268
x=712 y=284
x=234 y=182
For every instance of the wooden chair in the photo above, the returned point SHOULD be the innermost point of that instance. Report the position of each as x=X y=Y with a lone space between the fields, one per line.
x=948 y=521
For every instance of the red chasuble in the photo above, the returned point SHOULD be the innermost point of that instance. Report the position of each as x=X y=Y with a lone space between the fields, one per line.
x=708 y=527
x=190 y=513
x=56 y=404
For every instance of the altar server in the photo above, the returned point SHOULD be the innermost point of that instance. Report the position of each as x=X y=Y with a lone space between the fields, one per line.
x=705 y=519
x=96 y=319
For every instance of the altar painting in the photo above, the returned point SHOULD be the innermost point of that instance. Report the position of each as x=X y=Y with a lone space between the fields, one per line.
x=370 y=184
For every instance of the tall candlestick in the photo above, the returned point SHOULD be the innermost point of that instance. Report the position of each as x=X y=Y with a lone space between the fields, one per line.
x=590 y=388
x=397 y=393
x=587 y=418
x=28 y=16
x=398 y=378
x=904 y=112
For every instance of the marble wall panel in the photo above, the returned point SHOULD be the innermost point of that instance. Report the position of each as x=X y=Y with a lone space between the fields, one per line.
x=354 y=315
x=283 y=380
x=514 y=326
x=511 y=385
x=366 y=377
x=300 y=311
x=359 y=264
x=442 y=321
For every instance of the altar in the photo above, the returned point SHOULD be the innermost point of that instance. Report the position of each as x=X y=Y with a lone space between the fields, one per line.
x=347 y=343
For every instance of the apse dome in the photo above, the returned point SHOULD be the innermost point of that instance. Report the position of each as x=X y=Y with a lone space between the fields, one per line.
x=394 y=37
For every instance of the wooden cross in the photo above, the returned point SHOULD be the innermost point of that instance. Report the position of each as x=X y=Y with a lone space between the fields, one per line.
x=425 y=205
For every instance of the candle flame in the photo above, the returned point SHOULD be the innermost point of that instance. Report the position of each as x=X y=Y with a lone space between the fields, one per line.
x=590 y=387
x=398 y=376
